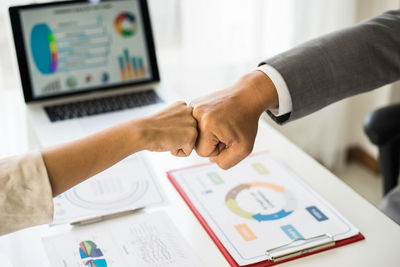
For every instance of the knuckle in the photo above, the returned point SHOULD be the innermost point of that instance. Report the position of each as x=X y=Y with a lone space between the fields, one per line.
x=193 y=103
x=187 y=152
x=201 y=152
x=197 y=112
x=181 y=103
x=189 y=109
x=207 y=120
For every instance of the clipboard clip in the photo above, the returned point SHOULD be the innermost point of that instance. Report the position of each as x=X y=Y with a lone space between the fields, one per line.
x=300 y=246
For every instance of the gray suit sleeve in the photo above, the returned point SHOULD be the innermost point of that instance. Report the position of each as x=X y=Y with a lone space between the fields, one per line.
x=340 y=64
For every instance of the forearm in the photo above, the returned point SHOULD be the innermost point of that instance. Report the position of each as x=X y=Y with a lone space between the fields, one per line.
x=74 y=162
x=258 y=91
x=173 y=129
x=341 y=64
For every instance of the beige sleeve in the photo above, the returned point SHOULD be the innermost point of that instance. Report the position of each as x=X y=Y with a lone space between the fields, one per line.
x=25 y=193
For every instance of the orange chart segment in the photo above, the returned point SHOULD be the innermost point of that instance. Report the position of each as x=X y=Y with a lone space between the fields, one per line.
x=245 y=232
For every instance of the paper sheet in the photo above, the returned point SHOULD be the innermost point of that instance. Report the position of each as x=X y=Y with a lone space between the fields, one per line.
x=139 y=240
x=128 y=184
x=258 y=205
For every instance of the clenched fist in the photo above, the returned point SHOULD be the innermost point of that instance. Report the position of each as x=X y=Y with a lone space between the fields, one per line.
x=228 y=119
x=173 y=129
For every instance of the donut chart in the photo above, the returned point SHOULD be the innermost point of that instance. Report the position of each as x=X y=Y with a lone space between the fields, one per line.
x=125 y=24
x=44 y=48
x=233 y=205
x=131 y=194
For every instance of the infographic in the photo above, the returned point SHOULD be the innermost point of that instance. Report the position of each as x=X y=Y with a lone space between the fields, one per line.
x=145 y=240
x=127 y=185
x=257 y=205
x=84 y=45
x=91 y=255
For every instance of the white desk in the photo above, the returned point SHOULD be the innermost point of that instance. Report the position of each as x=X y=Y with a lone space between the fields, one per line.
x=380 y=248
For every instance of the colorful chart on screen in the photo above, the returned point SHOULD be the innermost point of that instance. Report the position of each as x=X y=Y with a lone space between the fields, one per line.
x=131 y=67
x=129 y=184
x=125 y=24
x=68 y=49
x=44 y=48
x=84 y=46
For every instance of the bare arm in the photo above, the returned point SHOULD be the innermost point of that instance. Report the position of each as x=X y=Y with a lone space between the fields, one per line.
x=173 y=129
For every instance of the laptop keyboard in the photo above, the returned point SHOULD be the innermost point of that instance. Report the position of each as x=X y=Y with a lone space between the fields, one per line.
x=96 y=106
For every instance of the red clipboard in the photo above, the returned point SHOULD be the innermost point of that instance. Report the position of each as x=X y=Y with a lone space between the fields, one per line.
x=225 y=252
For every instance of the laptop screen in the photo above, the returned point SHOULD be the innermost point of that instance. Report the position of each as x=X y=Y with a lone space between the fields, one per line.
x=79 y=46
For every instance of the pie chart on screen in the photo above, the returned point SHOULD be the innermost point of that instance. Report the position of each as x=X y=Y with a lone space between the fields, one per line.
x=44 y=48
x=125 y=24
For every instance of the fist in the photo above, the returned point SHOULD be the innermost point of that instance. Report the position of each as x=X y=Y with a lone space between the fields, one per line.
x=173 y=129
x=228 y=119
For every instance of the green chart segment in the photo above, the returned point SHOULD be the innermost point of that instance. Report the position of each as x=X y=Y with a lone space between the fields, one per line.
x=91 y=255
x=215 y=178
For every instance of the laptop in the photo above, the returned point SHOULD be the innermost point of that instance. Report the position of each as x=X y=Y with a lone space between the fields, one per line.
x=85 y=65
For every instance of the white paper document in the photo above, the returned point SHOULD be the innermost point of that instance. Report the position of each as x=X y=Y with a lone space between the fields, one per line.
x=139 y=240
x=259 y=205
x=127 y=185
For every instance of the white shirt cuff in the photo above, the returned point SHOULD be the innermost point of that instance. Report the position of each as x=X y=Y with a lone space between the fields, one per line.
x=284 y=98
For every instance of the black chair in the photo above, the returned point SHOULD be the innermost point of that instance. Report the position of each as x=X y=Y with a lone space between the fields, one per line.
x=382 y=126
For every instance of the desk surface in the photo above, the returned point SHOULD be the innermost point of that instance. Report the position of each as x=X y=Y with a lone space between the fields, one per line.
x=380 y=248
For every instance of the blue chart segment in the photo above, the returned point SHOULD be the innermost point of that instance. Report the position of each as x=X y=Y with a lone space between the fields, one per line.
x=317 y=214
x=233 y=205
x=91 y=255
x=44 y=49
x=131 y=67
x=291 y=232
x=70 y=48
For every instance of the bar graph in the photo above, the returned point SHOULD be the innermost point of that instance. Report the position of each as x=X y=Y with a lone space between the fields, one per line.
x=131 y=67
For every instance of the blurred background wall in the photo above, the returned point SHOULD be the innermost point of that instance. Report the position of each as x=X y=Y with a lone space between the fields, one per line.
x=232 y=37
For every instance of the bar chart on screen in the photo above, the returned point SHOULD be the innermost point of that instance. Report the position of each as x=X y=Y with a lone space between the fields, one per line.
x=131 y=67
